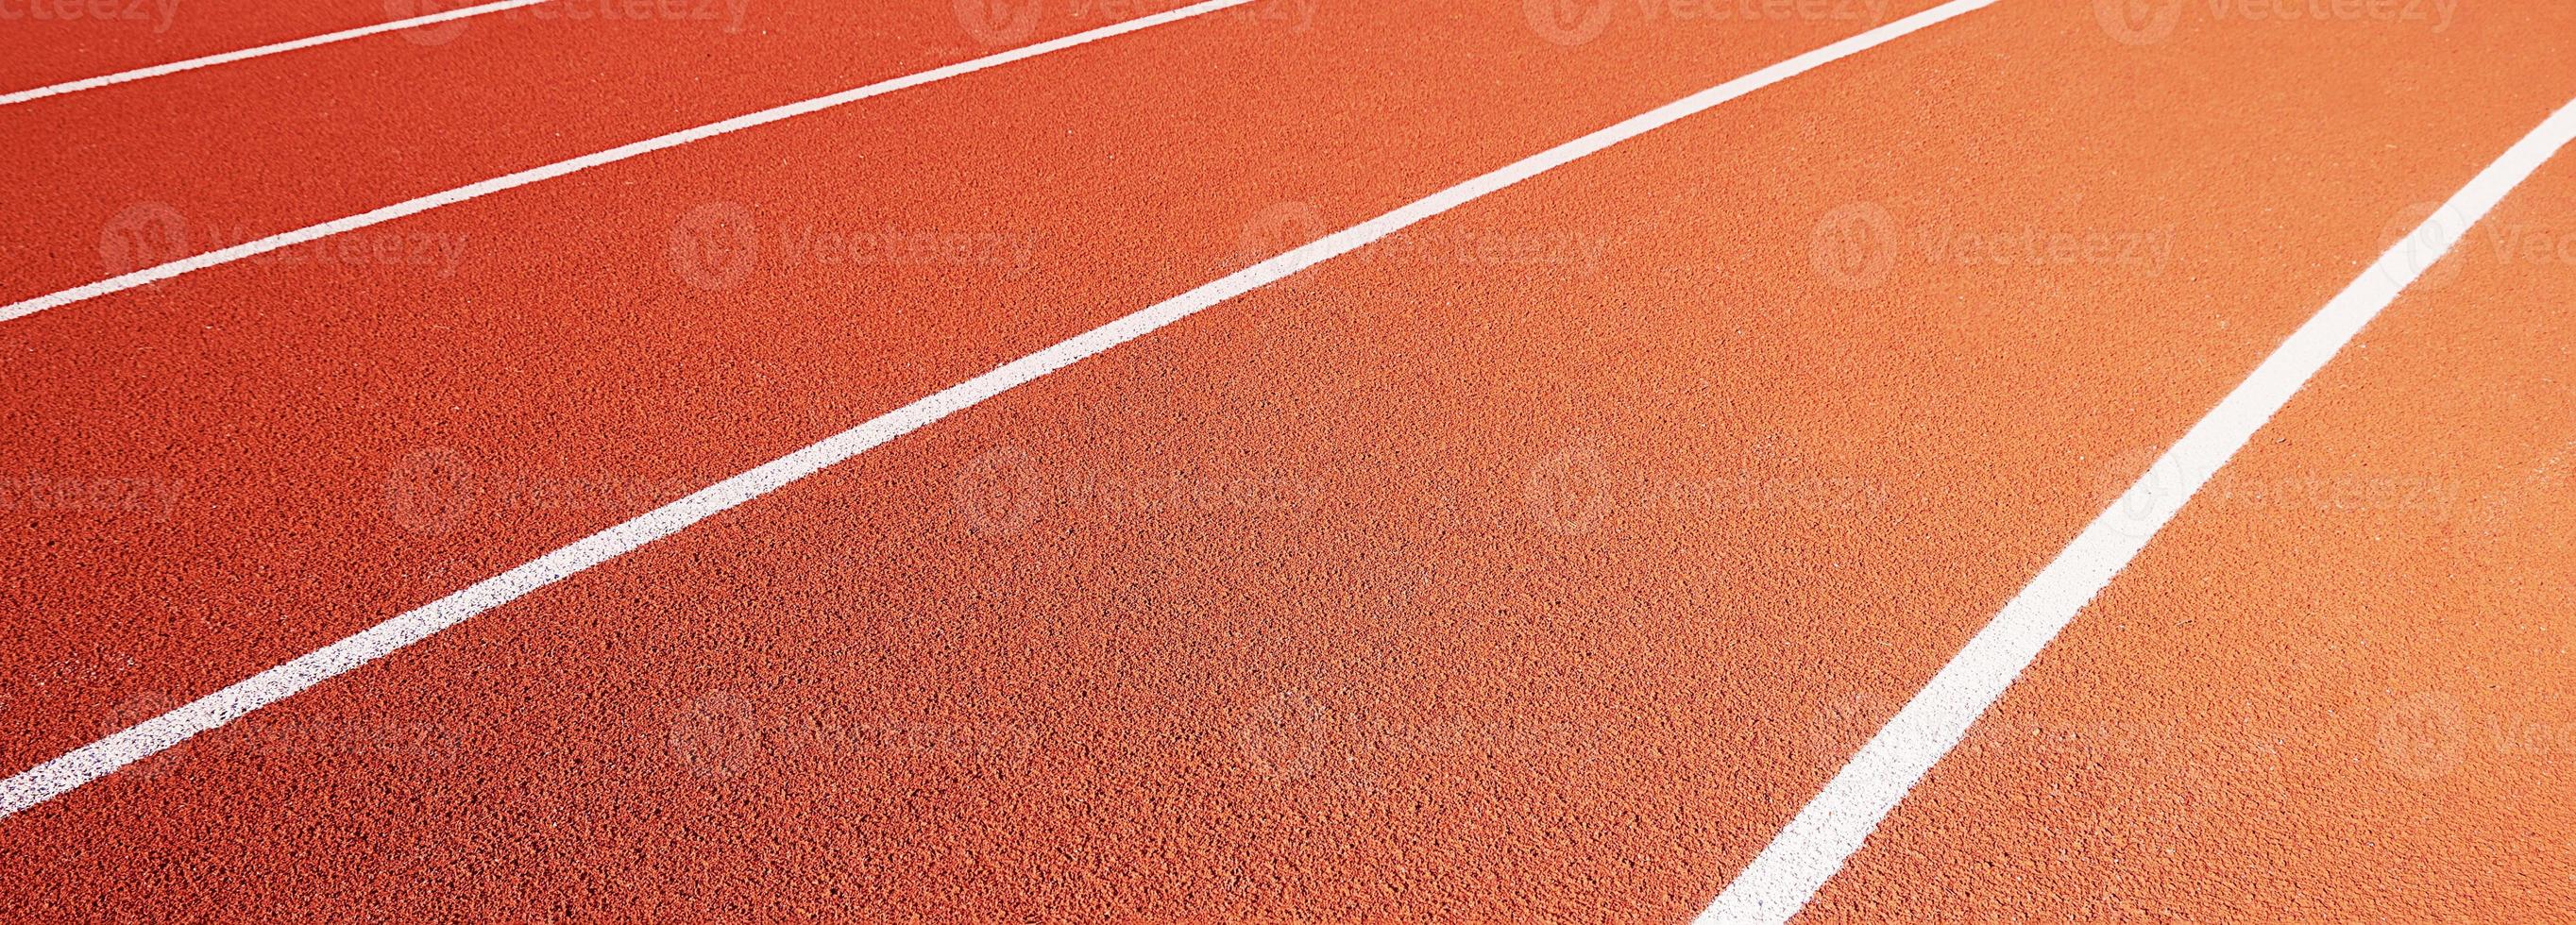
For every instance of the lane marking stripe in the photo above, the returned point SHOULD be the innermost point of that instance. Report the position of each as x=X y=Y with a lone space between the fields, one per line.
x=248 y=249
x=97 y=759
x=1815 y=844
x=157 y=70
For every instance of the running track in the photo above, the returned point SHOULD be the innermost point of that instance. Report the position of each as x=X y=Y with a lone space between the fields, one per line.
x=1567 y=552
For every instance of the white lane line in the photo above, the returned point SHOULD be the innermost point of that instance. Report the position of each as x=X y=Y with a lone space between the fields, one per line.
x=248 y=249
x=1787 y=873
x=90 y=762
x=157 y=70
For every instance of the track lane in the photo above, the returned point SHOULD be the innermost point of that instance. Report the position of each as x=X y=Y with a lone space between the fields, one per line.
x=45 y=43
x=1385 y=751
x=411 y=26
x=140 y=174
x=450 y=427
x=143 y=740
x=2337 y=686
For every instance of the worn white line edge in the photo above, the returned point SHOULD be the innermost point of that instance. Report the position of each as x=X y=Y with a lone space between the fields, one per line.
x=97 y=759
x=1788 y=872
x=158 y=70
x=248 y=249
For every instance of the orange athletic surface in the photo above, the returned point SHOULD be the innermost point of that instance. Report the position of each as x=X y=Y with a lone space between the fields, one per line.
x=643 y=379
x=2338 y=688
x=245 y=150
x=47 y=42
x=1537 y=564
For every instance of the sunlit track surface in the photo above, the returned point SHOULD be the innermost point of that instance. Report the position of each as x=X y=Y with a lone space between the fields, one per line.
x=1536 y=555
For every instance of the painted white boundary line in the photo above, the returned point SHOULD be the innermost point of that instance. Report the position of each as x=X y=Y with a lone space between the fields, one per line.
x=248 y=249
x=1815 y=844
x=97 y=759
x=157 y=70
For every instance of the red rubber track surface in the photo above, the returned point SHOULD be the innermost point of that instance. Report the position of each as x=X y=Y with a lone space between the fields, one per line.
x=47 y=42
x=1536 y=564
x=2338 y=687
x=576 y=371
x=246 y=150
